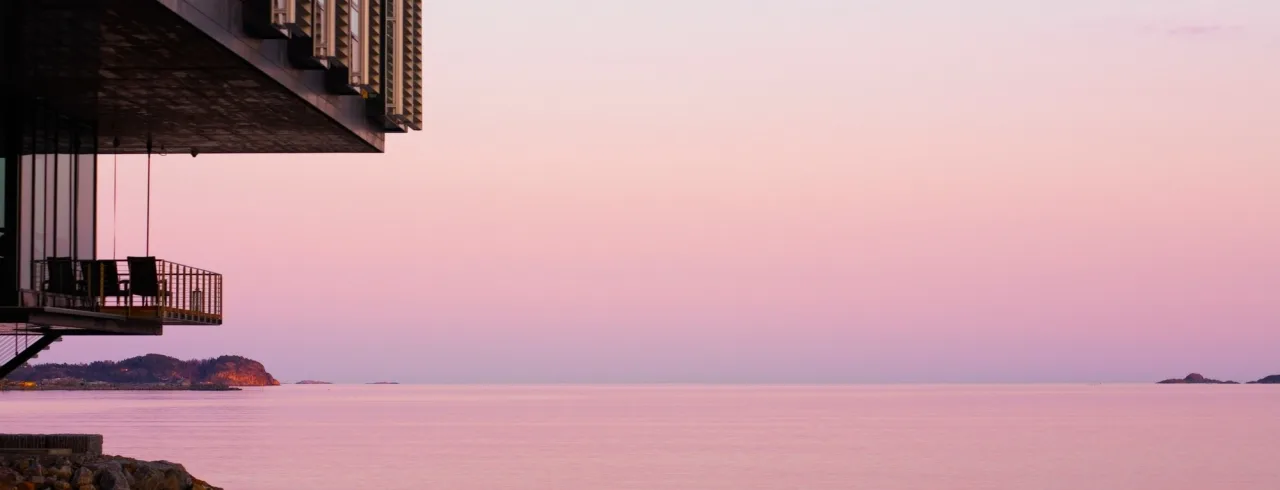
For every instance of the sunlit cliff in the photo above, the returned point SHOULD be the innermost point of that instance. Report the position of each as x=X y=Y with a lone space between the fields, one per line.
x=156 y=368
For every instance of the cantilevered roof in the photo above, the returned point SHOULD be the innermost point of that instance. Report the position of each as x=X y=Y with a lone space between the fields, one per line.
x=185 y=74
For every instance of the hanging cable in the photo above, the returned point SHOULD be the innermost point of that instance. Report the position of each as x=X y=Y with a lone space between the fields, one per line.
x=115 y=202
x=148 y=243
x=115 y=194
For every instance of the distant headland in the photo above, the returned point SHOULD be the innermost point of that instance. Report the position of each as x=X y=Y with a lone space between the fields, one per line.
x=1198 y=379
x=149 y=372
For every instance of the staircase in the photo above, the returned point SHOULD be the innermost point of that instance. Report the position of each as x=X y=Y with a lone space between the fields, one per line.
x=18 y=347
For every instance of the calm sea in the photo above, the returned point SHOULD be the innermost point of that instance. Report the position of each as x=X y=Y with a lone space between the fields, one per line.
x=1121 y=437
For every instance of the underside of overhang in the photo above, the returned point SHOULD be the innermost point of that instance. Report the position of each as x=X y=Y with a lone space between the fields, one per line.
x=64 y=321
x=179 y=75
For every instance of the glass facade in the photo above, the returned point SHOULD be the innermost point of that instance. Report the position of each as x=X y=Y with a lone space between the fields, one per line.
x=56 y=192
x=48 y=161
x=8 y=152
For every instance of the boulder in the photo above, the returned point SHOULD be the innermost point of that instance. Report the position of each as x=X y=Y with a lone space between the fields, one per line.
x=82 y=477
x=6 y=472
x=62 y=472
x=161 y=475
x=111 y=476
x=34 y=469
x=8 y=477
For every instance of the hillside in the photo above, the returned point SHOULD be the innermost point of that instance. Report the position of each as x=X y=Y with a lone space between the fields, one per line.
x=156 y=368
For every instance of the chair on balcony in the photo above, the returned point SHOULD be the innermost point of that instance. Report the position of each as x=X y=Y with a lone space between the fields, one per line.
x=61 y=277
x=61 y=287
x=103 y=279
x=144 y=280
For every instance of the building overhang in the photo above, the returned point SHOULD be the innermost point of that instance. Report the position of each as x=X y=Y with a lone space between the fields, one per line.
x=66 y=321
x=180 y=76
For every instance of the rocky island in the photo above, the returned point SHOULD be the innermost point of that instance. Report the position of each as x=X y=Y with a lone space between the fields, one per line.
x=149 y=372
x=312 y=382
x=1196 y=378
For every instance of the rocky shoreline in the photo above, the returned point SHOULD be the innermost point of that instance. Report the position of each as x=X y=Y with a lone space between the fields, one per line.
x=76 y=462
x=89 y=472
x=112 y=387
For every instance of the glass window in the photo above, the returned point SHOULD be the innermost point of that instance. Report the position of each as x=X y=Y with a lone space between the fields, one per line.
x=357 y=47
x=321 y=29
x=355 y=19
x=64 y=193
x=25 y=231
x=86 y=202
x=3 y=170
x=50 y=188
x=37 y=206
x=6 y=234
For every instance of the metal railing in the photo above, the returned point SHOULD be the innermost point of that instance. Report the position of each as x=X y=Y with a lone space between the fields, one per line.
x=137 y=287
x=13 y=342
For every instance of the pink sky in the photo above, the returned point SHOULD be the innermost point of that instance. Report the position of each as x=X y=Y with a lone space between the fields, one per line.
x=800 y=190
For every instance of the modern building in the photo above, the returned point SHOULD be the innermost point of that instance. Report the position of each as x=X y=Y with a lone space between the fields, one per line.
x=84 y=79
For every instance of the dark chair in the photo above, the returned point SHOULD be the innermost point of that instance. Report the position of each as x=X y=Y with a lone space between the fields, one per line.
x=103 y=278
x=61 y=273
x=144 y=279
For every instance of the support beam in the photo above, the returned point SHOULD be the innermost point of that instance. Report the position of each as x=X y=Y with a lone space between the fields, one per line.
x=26 y=355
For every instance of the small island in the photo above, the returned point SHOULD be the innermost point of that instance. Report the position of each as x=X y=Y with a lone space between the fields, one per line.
x=312 y=382
x=1198 y=379
x=384 y=383
x=152 y=372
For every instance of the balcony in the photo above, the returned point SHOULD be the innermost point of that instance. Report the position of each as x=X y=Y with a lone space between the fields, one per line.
x=138 y=288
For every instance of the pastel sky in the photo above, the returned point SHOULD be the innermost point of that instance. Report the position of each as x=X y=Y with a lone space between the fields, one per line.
x=765 y=191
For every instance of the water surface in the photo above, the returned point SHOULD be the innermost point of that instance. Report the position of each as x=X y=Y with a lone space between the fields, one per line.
x=1123 y=437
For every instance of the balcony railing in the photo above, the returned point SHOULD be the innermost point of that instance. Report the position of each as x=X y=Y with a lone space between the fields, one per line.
x=138 y=287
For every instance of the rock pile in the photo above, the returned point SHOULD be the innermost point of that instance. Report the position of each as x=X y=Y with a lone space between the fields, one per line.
x=87 y=472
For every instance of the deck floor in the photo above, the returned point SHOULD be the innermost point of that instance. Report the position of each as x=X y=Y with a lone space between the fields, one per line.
x=171 y=316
